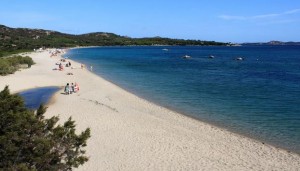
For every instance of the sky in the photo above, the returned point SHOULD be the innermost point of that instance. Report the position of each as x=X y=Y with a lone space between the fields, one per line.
x=234 y=21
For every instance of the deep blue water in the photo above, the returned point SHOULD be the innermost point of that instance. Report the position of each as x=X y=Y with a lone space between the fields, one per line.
x=257 y=97
x=35 y=97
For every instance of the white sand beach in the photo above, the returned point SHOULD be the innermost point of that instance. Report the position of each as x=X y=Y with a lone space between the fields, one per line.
x=130 y=133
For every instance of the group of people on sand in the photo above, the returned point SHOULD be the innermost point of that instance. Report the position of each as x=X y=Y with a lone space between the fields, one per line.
x=61 y=67
x=56 y=52
x=71 y=88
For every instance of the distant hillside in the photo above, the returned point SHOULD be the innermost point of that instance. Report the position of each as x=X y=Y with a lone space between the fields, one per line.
x=22 y=39
x=273 y=43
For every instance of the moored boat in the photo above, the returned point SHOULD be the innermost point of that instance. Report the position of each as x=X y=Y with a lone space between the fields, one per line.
x=186 y=57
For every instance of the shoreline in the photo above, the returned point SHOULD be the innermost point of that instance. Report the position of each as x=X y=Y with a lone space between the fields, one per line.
x=186 y=114
x=141 y=135
x=214 y=124
x=52 y=99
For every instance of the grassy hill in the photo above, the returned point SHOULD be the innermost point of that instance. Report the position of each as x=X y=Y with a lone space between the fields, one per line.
x=13 y=40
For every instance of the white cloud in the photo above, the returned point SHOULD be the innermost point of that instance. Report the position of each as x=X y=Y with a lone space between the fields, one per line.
x=231 y=17
x=263 y=16
x=292 y=11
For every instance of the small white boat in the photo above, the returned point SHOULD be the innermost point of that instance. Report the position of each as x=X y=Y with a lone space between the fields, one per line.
x=211 y=56
x=239 y=58
x=165 y=49
x=186 y=57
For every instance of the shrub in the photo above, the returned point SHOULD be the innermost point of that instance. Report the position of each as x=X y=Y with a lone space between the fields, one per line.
x=26 y=60
x=6 y=68
x=11 y=64
x=28 y=141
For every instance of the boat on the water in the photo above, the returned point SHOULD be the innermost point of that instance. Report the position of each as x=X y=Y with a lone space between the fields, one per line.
x=239 y=58
x=186 y=57
x=211 y=56
x=165 y=49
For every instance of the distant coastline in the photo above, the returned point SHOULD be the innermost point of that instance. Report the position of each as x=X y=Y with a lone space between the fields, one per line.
x=24 y=39
x=273 y=43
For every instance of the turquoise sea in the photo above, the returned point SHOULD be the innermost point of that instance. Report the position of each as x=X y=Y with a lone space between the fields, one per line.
x=257 y=97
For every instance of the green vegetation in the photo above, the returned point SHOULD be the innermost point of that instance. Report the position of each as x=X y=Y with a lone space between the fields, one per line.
x=12 y=52
x=10 y=65
x=22 y=39
x=28 y=141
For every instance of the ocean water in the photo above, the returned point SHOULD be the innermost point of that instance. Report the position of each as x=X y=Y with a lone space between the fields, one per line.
x=35 y=97
x=257 y=97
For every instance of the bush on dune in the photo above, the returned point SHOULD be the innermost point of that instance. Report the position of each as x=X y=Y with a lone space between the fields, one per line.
x=28 y=141
x=12 y=64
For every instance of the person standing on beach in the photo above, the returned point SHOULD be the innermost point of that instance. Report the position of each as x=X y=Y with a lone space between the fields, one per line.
x=72 y=88
x=91 y=68
x=76 y=87
x=67 y=89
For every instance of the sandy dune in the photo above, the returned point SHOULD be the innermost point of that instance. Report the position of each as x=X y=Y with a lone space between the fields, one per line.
x=129 y=133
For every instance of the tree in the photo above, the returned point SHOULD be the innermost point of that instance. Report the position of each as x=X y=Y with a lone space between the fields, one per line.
x=28 y=141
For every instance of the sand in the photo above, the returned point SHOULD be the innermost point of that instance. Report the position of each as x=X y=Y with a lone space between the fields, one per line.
x=130 y=133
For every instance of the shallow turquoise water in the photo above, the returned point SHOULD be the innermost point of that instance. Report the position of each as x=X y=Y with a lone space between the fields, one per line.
x=257 y=97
